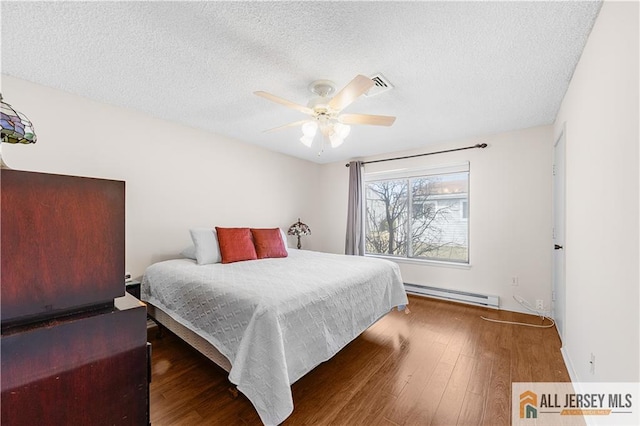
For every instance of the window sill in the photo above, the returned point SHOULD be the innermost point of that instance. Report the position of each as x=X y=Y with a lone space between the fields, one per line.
x=423 y=262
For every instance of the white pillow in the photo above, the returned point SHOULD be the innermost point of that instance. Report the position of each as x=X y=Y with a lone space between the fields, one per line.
x=189 y=252
x=284 y=240
x=205 y=241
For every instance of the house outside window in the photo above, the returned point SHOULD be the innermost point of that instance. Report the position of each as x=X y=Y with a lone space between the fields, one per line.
x=464 y=209
x=420 y=214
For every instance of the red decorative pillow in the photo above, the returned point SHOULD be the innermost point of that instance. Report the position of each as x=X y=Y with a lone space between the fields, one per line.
x=235 y=244
x=268 y=243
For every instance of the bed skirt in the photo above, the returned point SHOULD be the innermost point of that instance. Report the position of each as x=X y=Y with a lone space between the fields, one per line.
x=190 y=337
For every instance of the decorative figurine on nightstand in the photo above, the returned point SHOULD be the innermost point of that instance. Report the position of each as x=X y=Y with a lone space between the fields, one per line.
x=299 y=229
x=16 y=128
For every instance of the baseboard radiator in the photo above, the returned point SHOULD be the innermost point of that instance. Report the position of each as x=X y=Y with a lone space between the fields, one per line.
x=455 y=295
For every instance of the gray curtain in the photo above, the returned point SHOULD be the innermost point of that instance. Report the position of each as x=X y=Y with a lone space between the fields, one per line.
x=355 y=226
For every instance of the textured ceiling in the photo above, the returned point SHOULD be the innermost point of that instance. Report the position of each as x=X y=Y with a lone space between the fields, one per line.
x=460 y=69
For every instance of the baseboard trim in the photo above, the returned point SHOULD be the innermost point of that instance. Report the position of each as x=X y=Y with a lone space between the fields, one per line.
x=589 y=420
x=567 y=363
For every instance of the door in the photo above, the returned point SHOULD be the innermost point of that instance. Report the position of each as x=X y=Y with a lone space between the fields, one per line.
x=559 y=292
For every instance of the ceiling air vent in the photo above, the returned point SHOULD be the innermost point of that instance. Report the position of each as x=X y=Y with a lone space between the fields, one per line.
x=381 y=85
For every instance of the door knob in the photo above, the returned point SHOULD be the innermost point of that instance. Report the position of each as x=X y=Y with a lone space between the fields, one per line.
x=557 y=247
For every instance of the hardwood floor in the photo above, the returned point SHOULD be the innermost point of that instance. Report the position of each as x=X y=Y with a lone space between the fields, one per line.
x=439 y=365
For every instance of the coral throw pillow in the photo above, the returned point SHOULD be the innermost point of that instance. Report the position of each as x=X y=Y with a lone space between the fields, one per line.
x=236 y=244
x=268 y=243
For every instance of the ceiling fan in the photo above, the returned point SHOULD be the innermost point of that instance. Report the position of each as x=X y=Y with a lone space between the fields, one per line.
x=325 y=111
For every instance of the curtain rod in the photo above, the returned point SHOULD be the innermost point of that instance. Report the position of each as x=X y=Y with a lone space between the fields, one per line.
x=479 y=145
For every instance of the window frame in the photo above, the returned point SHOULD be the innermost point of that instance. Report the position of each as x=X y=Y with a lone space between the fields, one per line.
x=408 y=175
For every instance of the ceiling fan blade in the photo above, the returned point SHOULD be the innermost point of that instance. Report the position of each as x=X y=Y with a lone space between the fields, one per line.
x=294 y=124
x=375 y=120
x=349 y=93
x=281 y=101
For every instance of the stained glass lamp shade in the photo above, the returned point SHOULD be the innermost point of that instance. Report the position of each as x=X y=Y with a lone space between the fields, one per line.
x=299 y=229
x=16 y=128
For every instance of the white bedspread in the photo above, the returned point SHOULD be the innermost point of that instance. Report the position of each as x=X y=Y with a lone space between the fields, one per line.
x=276 y=319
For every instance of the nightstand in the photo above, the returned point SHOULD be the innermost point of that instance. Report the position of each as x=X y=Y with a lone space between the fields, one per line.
x=133 y=288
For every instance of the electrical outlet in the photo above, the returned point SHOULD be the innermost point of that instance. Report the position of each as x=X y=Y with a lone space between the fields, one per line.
x=592 y=364
x=514 y=281
x=539 y=304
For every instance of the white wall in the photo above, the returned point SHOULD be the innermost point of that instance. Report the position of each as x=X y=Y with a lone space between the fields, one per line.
x=177 y=177
x=600 y=110
x=509 y=215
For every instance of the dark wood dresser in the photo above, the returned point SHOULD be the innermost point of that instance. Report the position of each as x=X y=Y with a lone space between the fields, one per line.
x=73 y=345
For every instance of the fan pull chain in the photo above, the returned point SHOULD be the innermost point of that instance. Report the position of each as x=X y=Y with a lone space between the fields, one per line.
x=322 y=143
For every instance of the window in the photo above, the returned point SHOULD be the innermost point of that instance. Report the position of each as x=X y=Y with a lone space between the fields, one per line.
x=422 y=215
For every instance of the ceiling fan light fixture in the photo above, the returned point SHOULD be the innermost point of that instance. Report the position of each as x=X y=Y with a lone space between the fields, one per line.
x=335 y=140
x=342 y=130
x=307 y=140
x=309 y=129
x=338 y=134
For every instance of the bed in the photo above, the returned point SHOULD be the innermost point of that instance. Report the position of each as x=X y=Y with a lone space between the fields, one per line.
x=270 y=321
